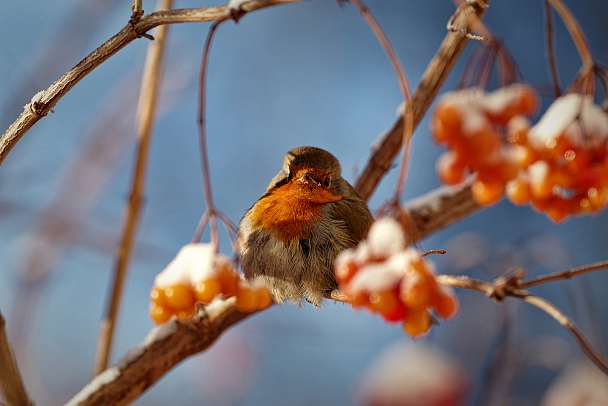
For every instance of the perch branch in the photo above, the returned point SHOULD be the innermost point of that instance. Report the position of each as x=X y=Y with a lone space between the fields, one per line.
x=148 y=100
x=43 y=102
x=164 y=347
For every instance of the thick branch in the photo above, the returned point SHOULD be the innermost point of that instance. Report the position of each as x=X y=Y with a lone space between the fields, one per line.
x=43 y=102
x=440 y=208
x=164 y=347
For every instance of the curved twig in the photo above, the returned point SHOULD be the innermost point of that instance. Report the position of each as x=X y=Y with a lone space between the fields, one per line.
x=499 y=290
x=564 y=275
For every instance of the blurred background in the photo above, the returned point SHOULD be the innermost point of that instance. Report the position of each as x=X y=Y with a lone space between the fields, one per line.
x=302 y=74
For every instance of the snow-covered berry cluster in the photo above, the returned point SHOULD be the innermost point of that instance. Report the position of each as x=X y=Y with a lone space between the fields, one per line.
x=386 y=277
x=199 y=274
x=559 y=166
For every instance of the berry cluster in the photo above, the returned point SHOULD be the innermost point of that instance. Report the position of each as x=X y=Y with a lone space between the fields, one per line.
x=568 y=170
x=199 y=274
x=559 y=166
x=469 y=123
x=384 y=276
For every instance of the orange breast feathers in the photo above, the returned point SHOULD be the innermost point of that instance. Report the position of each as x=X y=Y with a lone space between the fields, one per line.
x=291 y=211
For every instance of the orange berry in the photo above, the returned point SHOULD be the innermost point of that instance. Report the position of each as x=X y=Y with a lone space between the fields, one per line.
x=229 y=280
x=446 y=305
x=382 y=302
x=450 y=168
x=517 y=130
x=523 y=155
x=487 y=193
x=206 y=290
x=357 y=299
x=399 y=312
x=185 y=314
x=484 y=145
x=246 y=299
x=418 y=291
x=417 y=323
x=446 y=122
x=264 y=298
x=160 y=314
x=157 y=296
x=559 y=209
x=518 y=191
x=179 y=297
x=345 y=270
x=527 y=101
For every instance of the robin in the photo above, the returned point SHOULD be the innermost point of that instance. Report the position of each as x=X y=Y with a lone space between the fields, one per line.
x=291 y=236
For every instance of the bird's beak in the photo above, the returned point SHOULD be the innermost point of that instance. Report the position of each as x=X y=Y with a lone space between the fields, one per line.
x=307 y=178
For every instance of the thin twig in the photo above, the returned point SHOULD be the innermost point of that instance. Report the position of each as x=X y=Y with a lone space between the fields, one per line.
x=388 y=48
x=570 y=273
x=433 y=78
x=499 y=290
x=408 y=130
x=575 y=31
x=146 y=113
x=138 y=10
x=43 y=102
x=202 y=138
x=11 y=383
x=562 y=319
x=211 y=215
x=550 y=44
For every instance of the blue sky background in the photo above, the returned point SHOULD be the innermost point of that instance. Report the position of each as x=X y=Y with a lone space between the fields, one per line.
x=303 y=74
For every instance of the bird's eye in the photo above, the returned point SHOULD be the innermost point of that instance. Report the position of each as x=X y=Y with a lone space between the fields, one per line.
x=326 y=181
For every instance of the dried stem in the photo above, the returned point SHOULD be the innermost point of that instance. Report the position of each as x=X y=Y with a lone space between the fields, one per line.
x=43 y=102
x=211 y=215
x=202 y=138
x=408 y=130
x=568 y=324
x=388 y=48
x=146 y=112
x=432 y=80
x=551 y=59
x=510 y=286
x=564 y=275
x=138 y=10
x=11 y=383
x=575 y=31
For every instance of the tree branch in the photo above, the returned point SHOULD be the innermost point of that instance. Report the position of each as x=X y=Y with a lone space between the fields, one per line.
x=509 y=286
x=43 y=102
x=165 y=346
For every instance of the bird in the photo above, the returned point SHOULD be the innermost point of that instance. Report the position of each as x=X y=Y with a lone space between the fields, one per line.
x=291 y=236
